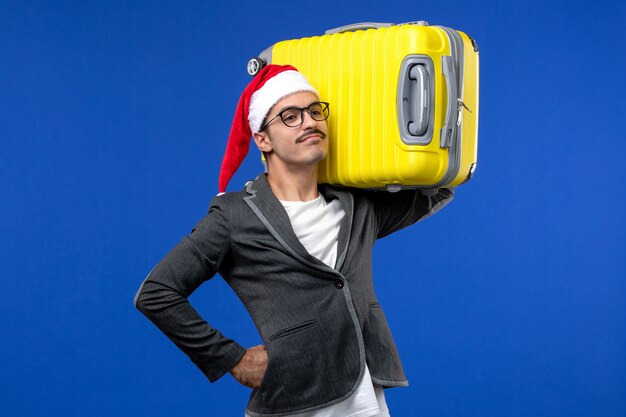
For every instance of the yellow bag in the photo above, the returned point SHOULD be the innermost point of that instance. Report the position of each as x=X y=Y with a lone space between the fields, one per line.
x=403 y=100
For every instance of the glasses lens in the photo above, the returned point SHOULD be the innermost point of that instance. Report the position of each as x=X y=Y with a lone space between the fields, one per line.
x=292 y=117
x=318 y=111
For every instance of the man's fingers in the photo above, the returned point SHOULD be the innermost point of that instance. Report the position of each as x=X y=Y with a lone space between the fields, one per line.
x=251 y=368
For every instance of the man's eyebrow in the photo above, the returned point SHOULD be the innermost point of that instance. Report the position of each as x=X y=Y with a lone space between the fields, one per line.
x=287 y=108
x=296 y=107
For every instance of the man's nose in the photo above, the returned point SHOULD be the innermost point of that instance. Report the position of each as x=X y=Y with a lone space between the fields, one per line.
x=307 y=120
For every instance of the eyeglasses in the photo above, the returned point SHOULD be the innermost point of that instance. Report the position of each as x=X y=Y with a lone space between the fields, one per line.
x=294 y=116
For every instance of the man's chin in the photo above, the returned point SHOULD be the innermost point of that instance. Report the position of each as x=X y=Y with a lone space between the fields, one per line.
x=321 y=156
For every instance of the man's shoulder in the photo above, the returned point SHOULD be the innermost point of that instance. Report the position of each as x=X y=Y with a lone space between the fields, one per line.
x=229 y=199
x=232 y=199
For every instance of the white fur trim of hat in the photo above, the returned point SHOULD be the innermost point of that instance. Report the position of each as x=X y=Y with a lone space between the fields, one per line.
x=276 y=88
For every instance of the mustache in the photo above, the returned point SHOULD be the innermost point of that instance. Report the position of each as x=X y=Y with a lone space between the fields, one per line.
x=310 y=132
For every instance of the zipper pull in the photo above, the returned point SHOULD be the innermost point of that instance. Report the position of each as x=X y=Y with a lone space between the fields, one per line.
x=459 y=109
x=461 y=105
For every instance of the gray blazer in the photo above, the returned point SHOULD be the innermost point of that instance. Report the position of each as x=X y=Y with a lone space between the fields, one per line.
x=320 y=325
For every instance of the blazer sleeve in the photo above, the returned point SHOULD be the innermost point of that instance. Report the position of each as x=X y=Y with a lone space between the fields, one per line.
x=162 y=296
x=395 y=211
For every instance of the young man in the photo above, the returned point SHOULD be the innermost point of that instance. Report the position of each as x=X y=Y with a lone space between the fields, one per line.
x=298 y=255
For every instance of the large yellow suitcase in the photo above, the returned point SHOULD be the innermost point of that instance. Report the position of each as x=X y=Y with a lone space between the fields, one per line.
x=403 y=101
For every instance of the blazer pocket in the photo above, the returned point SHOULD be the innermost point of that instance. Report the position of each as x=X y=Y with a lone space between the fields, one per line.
x=309 y=363
x=300 y=327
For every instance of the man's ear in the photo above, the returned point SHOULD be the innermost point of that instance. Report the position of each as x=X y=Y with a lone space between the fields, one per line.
x=262 y=141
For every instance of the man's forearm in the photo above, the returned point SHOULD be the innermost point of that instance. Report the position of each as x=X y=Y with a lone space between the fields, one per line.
x=163 y=299
x=212 y=352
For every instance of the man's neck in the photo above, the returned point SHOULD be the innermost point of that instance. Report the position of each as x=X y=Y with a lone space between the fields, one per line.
x=300 y=185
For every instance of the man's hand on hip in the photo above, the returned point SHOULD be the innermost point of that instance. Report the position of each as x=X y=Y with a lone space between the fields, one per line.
x=251 y=368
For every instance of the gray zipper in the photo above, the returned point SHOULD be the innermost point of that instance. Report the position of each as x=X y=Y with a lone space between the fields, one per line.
x=454 y=160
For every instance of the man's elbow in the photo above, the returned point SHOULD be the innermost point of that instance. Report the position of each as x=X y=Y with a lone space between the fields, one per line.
x=141 y=298
x=444 y=198
x=438 y=201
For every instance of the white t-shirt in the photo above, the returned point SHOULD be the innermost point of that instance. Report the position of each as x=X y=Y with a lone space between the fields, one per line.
x=316 y=224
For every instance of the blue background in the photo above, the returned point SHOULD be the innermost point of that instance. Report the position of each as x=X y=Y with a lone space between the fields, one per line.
x=113 y=121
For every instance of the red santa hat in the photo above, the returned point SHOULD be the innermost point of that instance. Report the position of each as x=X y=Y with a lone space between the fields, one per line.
x=270 y=85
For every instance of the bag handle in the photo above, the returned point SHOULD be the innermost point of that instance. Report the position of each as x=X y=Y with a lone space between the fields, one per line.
x=371 y=25
x=358 y=26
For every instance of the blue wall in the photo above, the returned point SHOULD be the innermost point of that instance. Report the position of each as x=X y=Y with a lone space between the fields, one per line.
x=113 y=120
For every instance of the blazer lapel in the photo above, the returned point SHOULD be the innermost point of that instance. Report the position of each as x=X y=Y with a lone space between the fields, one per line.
x=272 y=214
